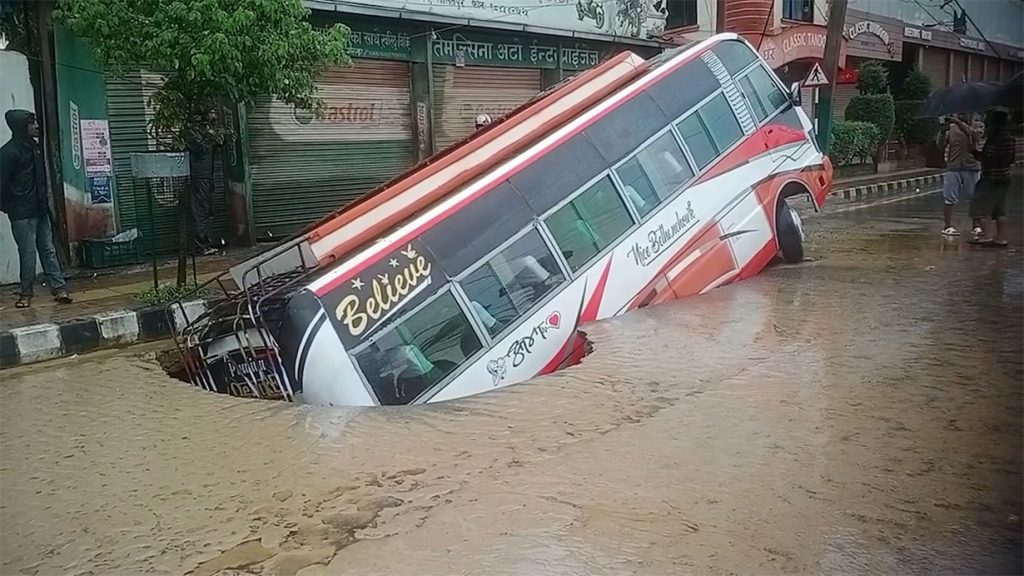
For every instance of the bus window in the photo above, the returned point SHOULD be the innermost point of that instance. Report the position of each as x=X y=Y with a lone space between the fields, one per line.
x=762 y=93
x=509 y=284
x=589 y=223
x=418 y=351
x=654 y=173
x=735 y=55
x=709 y=131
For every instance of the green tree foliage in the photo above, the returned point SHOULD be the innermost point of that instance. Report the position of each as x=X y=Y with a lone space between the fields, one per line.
x=916 y=86
x=872 y=78
x=914 y=90
x=853 y=142
x=210 y=52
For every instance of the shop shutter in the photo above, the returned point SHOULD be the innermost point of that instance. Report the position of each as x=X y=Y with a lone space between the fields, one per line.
x=977 y=71
x=807 y=102
x=991 y=70
x=936 y=66
x=841 y=99
x=460 y=94
x=127 y=99
x=1005 y=70
x=959 y=68
x=304 y=167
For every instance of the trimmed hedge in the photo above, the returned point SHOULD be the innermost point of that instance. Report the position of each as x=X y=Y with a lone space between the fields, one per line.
x=853 y=142
x=877 y=109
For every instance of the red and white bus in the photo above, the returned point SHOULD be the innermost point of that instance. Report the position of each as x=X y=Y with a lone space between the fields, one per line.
x=639 y=182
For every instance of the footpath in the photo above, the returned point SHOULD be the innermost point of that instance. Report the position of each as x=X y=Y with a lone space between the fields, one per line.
x=107 y=314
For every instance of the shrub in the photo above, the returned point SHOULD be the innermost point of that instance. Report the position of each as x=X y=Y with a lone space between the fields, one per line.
x=167 y=293
x=853 y=142
x=872 y=78
x=877 y=109
x=916 y=86
x=906 y=116
x=923 y=130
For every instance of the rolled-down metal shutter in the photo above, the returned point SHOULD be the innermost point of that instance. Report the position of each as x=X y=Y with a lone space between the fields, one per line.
x=460 y=94
x=304 y=167
x=992 y=70
x=129 y=112
x=936 y=66
x=807 y=102
x=959 y=68
x=841 y=99
x=977 y=72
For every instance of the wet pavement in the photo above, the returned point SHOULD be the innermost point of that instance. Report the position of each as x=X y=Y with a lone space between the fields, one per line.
x=858 y=414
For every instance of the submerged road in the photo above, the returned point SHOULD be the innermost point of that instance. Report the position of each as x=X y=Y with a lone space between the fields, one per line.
x=858 y=414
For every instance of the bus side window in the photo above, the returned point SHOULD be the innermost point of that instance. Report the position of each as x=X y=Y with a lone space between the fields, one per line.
x=510 y=283
x=762 y=93
x=418 y=351
x=654 y=173
x=710 y=130
x=589 y=223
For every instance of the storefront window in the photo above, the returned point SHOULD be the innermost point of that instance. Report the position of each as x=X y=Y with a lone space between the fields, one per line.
x=802 y=10
x=681 y=13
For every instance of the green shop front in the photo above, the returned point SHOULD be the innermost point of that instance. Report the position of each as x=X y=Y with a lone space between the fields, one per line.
x=412 y=89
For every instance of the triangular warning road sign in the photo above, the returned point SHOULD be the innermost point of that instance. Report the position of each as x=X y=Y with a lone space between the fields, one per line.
x=816 y=77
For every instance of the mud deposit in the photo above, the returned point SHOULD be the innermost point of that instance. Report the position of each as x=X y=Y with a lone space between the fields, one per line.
x=858 y=414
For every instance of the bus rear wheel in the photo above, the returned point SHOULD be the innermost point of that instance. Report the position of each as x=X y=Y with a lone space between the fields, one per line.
x=790 y=232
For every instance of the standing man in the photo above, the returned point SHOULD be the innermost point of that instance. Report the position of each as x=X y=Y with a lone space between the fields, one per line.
x=989 y=203
x=962 y=170
x=26 y=200
x=200 y=159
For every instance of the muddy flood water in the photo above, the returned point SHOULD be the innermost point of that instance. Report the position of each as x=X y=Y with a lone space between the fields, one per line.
x=858 y=414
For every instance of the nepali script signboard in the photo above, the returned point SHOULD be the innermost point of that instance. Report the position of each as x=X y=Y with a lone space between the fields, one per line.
x=641 y=19
x=525 y=52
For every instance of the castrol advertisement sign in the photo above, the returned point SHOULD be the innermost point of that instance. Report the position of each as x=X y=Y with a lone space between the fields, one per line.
x=361 y=113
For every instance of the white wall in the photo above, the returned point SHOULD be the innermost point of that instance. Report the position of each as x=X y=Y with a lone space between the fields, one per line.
x=15 y=92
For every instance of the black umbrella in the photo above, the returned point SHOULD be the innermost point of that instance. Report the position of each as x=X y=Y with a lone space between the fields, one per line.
x=968 y=97
x=1011 y=94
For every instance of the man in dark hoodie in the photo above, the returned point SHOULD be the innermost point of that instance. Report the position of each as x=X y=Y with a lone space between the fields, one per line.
x=25 y=199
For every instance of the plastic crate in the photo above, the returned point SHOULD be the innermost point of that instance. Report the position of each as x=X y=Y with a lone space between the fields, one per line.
x=108 y=253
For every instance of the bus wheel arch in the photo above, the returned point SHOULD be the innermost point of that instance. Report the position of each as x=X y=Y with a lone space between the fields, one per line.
x=789 y=232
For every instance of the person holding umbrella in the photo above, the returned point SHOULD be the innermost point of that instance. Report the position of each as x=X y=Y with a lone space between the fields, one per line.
x=962 y=170
x=989 y=201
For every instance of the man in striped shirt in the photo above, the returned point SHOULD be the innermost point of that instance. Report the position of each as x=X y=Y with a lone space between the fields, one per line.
x=989 y=202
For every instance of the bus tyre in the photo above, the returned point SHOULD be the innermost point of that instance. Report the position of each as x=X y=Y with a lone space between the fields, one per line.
x=790 y=232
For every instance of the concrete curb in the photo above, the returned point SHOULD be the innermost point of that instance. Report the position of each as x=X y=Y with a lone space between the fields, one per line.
x=47 y=341
x=888 y=188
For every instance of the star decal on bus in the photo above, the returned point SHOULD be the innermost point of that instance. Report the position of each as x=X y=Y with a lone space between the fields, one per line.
x=357 y=284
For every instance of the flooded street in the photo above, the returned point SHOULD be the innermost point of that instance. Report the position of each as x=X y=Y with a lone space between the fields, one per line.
x=858 y=414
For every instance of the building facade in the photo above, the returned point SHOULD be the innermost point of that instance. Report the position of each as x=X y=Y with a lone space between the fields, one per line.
x=421 y=73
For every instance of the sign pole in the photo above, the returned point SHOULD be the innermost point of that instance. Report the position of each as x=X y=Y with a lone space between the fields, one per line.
x=833 y=45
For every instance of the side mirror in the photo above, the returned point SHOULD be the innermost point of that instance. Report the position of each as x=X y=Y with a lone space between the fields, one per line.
x=794 y=94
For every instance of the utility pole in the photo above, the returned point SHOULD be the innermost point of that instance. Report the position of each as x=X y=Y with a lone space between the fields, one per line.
x=720 y=17
x=833 y=46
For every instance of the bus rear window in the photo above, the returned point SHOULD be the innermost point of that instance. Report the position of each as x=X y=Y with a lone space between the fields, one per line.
x=419 y=351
